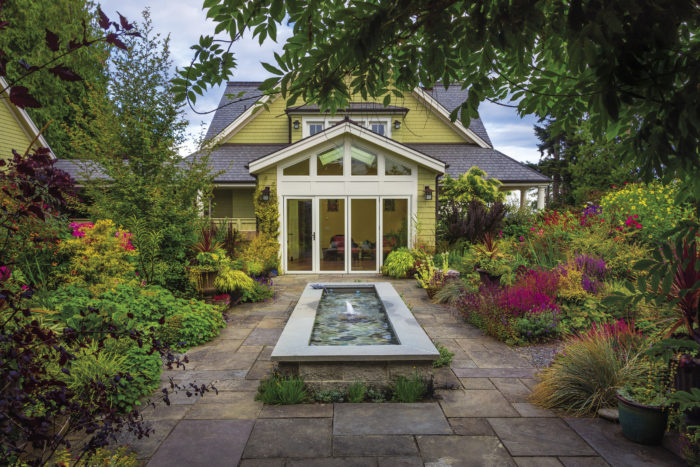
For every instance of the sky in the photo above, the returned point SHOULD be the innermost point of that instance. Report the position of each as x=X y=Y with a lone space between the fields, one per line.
x=185 y=21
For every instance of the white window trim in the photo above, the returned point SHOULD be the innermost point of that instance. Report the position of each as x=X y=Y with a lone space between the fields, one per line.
x=364 y=120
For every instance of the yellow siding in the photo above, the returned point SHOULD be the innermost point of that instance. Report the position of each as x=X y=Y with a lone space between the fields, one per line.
x=268 y=177
x=420 y=125
x=425 y=234
x=12 y=136
x=268 y=126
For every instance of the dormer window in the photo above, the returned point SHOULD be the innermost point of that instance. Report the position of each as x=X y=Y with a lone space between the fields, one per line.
x=315 y=124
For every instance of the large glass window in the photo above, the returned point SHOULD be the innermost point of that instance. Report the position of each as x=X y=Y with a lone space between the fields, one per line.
x=330 y=162
x=394 y=225
x=300 y=168
x=394 y=167
x=363 y=162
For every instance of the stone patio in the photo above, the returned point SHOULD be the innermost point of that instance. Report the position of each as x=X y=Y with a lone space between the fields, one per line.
x=484 y=420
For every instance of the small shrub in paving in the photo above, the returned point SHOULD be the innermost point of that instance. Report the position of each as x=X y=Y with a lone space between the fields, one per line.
x=329 y=396
x=356 y=392
x=445 y=356
x=280 y=390
x=410 y=390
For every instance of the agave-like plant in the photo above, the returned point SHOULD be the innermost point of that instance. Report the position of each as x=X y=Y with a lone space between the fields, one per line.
x=207 y=240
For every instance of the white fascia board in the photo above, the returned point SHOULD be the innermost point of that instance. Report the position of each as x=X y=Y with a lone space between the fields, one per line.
x=442 y=112
x=243 y=119
x=339 y=130
x=24 y=116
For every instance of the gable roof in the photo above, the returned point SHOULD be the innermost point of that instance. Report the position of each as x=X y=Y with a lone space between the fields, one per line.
x=23 y=118
x=234 y=112
x=461 y=157
x=78 y=168
x=347 y=127
x=230 y=161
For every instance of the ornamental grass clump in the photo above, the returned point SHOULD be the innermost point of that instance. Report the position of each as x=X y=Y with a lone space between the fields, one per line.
x=586 y=374
x=410 y=389
x=281 y=390
x=399 y=264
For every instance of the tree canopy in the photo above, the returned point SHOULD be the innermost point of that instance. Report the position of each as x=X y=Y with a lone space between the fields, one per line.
x=631 y=66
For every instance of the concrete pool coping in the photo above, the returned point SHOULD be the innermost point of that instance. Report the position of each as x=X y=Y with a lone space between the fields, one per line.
x=293 y=344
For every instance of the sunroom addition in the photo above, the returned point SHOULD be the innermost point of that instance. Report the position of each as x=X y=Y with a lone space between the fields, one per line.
x=347 y=197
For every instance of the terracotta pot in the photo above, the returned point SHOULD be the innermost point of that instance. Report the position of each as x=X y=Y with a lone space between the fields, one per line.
x=640 y=423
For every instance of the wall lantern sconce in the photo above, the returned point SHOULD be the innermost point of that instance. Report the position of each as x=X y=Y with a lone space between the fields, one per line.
x=397 y=124
x=296 y=124
x=428 y=193
x=266 y=194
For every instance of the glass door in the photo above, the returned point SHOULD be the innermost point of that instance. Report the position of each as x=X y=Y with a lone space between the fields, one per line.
x=363 y=235
x=299 y=253
x=332 y=235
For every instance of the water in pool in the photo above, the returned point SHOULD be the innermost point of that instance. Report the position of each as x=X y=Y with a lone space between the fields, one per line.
x=351 y=316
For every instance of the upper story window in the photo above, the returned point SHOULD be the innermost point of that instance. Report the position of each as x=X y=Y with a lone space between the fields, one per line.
x=378 y=127
x=315 y=127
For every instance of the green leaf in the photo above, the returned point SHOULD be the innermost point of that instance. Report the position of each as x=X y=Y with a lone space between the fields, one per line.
x=272 y=69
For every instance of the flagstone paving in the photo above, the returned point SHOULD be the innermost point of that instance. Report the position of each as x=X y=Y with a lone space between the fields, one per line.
x=480 y=417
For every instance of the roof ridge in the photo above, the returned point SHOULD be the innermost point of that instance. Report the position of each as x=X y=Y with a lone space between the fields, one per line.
x=244 y=83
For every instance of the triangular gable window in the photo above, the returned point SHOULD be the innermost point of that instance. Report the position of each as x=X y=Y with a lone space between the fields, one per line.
x=300 y=168
x=330 y=162
x=394 y=167
x=363 y=162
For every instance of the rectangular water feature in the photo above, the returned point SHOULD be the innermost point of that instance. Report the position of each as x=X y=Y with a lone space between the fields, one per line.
x=340 y=333
x=351 y=316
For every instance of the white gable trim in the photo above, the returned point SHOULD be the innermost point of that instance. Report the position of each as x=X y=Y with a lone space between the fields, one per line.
x=442 y=112
x=342 y=129
x=240 y=121
x=24 y=120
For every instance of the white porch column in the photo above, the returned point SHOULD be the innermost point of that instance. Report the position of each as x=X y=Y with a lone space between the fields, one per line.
x=540 y=198
x=523 y=197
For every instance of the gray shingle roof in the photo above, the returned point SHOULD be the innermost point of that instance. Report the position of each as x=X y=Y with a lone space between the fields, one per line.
x=451 y=98
x=353 y=107
x=78 y=169
x=232 y=160
x=461 y=157
x=230 y=109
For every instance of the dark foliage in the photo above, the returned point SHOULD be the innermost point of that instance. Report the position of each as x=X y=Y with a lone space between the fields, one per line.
x=474 y=224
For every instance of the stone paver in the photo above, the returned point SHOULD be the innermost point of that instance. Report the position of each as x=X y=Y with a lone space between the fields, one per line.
x=539 y=437
x=374 y=445
x=389 y=419
x=218 y=442
x=476 y=403
x=290 y=437
x=463 y=451
x=475 y=424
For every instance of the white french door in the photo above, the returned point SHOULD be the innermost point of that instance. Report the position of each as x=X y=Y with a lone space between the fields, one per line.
x=342 y=234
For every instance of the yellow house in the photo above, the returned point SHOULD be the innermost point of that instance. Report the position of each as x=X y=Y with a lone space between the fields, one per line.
x=17 y=130
x=350 y=186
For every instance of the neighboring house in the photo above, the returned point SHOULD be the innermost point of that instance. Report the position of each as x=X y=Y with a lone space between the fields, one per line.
x=17 y=130
x=350 y=186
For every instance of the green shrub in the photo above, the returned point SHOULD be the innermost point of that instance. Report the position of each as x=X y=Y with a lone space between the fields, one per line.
x=450 y=293
x=330 y=395
x=445 y=356
x=377 y=395
x=230 y=280
x=398 y=264
x=262 y=249
x=254 y=268
x=537 y=327
x=587 y=373
x=280 y=390
x=356 y=392
x=409 y=390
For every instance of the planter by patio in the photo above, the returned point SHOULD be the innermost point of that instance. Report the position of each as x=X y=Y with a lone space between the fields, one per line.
x=488 y=279
x=640 y=423
x=204 y=281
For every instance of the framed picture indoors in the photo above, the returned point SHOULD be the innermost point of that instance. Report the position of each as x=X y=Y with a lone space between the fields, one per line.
x=332 y=205
x=389 y=204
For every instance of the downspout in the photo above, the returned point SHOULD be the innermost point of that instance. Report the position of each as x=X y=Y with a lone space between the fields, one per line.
x=257 y=222
x=289 y=128
x=437 y=205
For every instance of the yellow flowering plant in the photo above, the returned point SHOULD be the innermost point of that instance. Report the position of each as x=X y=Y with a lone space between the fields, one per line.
x=648 y=209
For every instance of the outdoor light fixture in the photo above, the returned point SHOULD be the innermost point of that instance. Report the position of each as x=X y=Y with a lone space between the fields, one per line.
x=296 y=124
x=266 y=194
x=428 y=193
x=397 y=124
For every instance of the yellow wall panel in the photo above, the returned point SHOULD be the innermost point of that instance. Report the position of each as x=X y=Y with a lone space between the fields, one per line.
x=12 y=136
x=268 y=126
x=425 y=234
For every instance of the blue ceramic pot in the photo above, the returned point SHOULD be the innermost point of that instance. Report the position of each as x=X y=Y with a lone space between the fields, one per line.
x=640 y=423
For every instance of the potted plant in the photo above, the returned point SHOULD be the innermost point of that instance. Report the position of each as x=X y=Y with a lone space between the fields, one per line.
x=688 y=403
x=210 y=256
x=642 y=405
x=492 y=264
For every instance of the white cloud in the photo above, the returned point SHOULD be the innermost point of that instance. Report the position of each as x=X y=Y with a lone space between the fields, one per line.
x=185 y=21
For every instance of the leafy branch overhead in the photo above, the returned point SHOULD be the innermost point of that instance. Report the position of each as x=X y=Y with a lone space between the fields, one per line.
x=62 y=48
x=631 y=66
